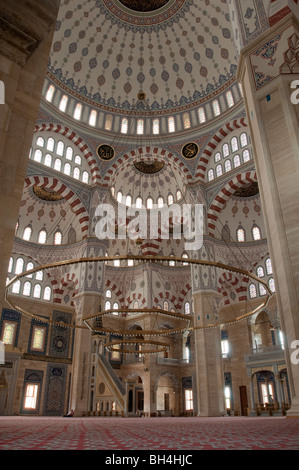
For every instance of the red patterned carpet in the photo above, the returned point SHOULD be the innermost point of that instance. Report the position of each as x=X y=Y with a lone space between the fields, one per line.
x=112 y=434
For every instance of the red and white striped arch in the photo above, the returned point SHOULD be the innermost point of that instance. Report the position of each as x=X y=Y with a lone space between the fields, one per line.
x=238 y=284
x=157 y=153
x=239 y=181
x=214 y=142
x=76 y=140
x=54 y=184
x=69 y=280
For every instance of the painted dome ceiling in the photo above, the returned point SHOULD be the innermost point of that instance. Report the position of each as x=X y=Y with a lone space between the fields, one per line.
x=178 y=52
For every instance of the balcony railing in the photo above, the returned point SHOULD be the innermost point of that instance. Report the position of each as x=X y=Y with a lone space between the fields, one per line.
x=265 y=353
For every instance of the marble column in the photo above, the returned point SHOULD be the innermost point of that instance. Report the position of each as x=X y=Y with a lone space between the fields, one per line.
x=268 y=67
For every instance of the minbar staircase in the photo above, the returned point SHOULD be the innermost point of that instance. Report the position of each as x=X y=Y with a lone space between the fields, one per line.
x=112 y=381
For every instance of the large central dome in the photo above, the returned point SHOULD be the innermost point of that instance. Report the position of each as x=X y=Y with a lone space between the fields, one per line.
x=179 y=53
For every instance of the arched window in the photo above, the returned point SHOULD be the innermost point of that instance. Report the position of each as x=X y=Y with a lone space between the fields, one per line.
x=186 y=120
x=170 y=199
x=60 y=148
x=107 y=305
x=40 y=141
x=243 y=139
x=234 y=144
x=27 y=288
x=160 y=202
x=19 y=266
x=47 y=293
x=9 y=333
x=85 y=177
x=129 y=201
x=50 y=93
x=76 y=173
x=269 y=266
x=218 y=170
x=78 y=160
x=216 y=108
x=16 y=287
x=187 y=308
x=201 y=115
x=140 y=126
x=57 y=164
x=108 y=123
x=246 y=156
x=149 y=203
x=78 y=111
x=27 y=233
x=124 y=126
x=217 y=157
x=178 y=195
x=69 y=153
x=67 y=169
x=227 y=165
x=252 y=291
x=260 y=271
x=225 y=150
x=230 y=99
x=42 y=236
x=271 y=284
x=38 y=155
x=210 y=174
x=185 y=256
x=93 y=117
x=63 y=103
x=39 y=275
x=50 y=144
x=171 y=124
x=115 y=307
x=48 y=160
x=37 y=291
x=262 y=289
x=165 y=305
x=241 y=235
x=10 y=265
x=256 y=233
x=119 y=196
x=108 y=294
x=57 y=237
x=29 y=266
x=156 y=126
x=139 y=202
x=237 y=161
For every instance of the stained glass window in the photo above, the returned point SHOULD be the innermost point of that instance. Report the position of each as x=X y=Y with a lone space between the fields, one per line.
x=234 y=144
x=246 y=156
x=160 y=202
x=85 y=177
x=37 y=291
x=19 y=266
x=57 y=164
x=271 y=284
x=218 y=170
x=156 y=126
x=47 y=293
x=29 y=266
x=124 y=126
x=78 y=160
x=186 y=120
x=170 y=199
x=241 y=235
x=260 y=271
x=237 y=161
x=230 y=99
x=60 y=148
x=69 y=153
x=67 y=169
x=40 y=142
x=63 y=103
x=217 y=157
x=93 y=117
x=262 y=289
x=228 y=165
x=9 y=333
x=269 y=266
x=171 y=125
x=210 y=175
x=58 y=238
x=16 y=287
x=50 y=144
x=42 y=236
x=31 y=396
x=108 y=123
x=252 y=291
x=10 y=265
x=201 y=115
x=225 y=150
x=27 y=288
x=50 y=93
x=256 y=233
x=187 y=308
x=48 y=160
x=38 y=338
x=38 y=155
x=140 y=126
x=243 y=139
x=216 y=108
x=78 y=111
x=76 y=173
x=149 y=203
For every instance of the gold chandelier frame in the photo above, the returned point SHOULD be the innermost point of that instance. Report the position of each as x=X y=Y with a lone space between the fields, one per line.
x=127 y=332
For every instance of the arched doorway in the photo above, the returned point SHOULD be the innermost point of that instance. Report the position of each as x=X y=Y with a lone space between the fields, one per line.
x=165 y=396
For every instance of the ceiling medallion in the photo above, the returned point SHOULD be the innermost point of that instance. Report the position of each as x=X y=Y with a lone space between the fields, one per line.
x=149 y=168
x=190 y=150
x=46 y=195
x=144 y=5
x=105 y=152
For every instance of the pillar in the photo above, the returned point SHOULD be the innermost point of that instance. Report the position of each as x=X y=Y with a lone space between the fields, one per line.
x=26 y=30
x=268 y=66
